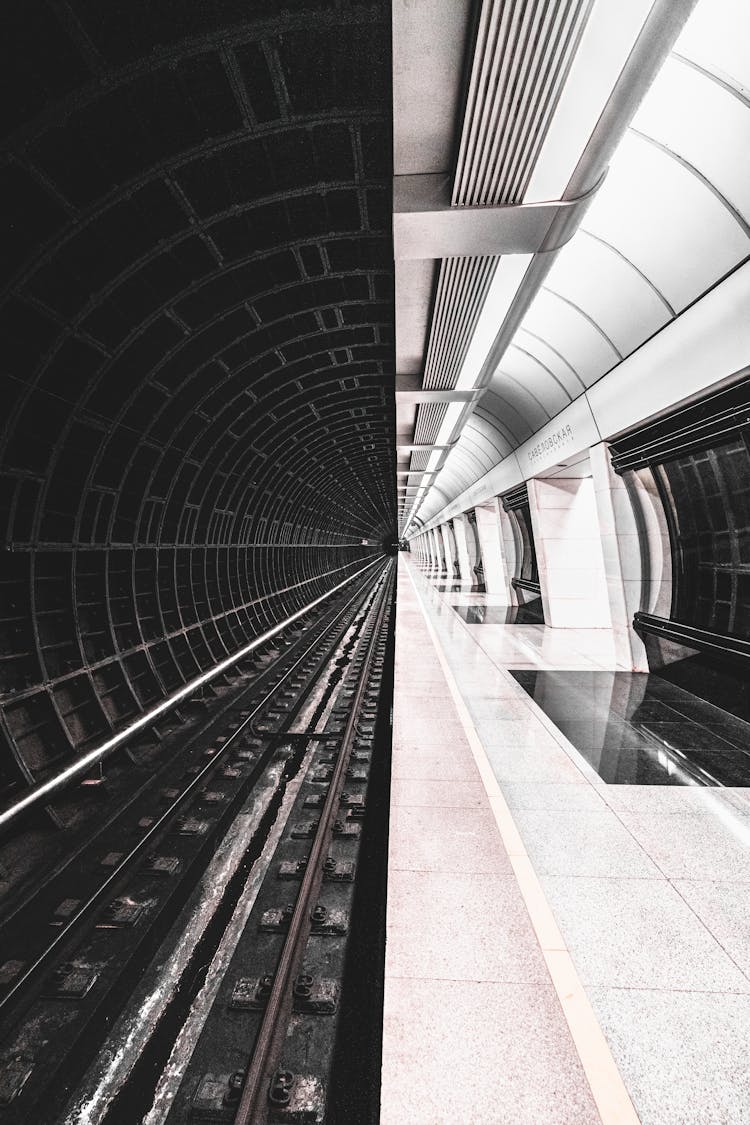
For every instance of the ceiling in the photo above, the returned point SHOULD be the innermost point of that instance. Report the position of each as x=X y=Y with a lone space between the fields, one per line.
x=670 y=220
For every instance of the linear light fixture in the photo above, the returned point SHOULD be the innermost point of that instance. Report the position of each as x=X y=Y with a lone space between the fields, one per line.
x=83 y=764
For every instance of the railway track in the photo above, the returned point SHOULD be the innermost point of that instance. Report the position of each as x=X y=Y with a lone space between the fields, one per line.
x=268 y=1047
x=150 y=900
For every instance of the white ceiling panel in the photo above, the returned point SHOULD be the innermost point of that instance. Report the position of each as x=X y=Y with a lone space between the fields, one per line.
x=552 y=360
x=489 y=436
x=490 y=415
x=512 y=420
x=461 y=469
x=529 y=372
x=569 y=332
x=717 y=35
x=477 y=445
x=610 y=290
x=670 y=225
x=705 y=124
x=520 y=396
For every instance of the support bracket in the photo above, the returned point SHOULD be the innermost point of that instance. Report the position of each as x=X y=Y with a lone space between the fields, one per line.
x=410 y=447
x=412 y=397
x=427 y=225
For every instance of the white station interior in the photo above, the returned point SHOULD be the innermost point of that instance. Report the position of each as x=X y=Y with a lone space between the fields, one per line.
x=642 y=110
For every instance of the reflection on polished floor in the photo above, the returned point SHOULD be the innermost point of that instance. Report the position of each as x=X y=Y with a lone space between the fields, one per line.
x=530 y=614
x=648 y=883
x=637 y=729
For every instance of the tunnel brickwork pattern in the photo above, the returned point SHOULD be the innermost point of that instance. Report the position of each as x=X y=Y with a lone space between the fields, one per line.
x=197 y=326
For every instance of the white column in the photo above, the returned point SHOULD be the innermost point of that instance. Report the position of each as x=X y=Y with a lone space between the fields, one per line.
x=447 y=549
x=621 y=549
x=496 y=578
x=436 y=554
x=429 y=550
x=569 y=553
x=460 y=531
x=472 y=546
x=510 y=538
x=657 y=581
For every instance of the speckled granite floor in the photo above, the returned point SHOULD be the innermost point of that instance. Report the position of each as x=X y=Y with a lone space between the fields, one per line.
x=649 y=884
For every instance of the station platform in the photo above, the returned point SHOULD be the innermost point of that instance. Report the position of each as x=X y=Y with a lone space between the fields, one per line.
x=564 y=942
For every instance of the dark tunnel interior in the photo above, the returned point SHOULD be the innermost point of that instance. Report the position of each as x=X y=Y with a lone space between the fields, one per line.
x=198 y=341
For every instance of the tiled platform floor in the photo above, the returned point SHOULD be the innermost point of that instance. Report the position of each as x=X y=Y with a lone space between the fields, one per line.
x=648 y=884
x=474 y=1031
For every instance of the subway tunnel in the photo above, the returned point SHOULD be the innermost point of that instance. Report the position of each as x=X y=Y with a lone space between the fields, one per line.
x=375 y=580
x=198 y=332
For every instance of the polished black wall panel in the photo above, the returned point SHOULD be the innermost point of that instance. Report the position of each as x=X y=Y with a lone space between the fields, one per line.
x=708 y=497
x=529 y=569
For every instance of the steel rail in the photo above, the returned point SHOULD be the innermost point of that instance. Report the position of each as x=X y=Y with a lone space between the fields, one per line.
x=38 y=792
x=260 y=681
x=253 y=1105
x=95 y=899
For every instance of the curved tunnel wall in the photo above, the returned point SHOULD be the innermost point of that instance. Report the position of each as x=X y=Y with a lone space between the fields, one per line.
x=197 y=332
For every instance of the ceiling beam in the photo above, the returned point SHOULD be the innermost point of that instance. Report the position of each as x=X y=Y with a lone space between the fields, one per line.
x=426 y=225
x=437 y=396
x=423 y=448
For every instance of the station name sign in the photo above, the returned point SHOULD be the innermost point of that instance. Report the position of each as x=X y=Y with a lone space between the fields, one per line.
x=557 y=440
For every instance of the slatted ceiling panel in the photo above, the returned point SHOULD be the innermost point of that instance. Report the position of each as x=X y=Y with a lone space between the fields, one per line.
x=428 y=423
x=522 y=56
x=419 y=460
x=434 y=415
x=523 y=52
x=461 y=290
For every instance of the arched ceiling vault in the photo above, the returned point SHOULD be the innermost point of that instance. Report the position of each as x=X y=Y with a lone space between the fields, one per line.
x=670 y=221
x=197 y=328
